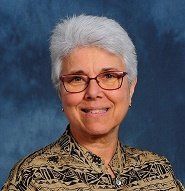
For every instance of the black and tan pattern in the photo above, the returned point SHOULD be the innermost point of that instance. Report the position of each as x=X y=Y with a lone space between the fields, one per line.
x=65 y=165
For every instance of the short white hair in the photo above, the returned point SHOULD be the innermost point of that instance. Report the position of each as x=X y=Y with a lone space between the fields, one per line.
x=87 y=30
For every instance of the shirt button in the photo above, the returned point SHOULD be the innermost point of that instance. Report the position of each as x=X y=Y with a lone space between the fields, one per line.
x=118 y=182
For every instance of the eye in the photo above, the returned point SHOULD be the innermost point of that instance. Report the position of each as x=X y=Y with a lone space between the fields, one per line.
x=109 y=76
x=75 y=79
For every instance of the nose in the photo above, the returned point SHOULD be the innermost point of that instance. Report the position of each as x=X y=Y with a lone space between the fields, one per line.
x=93 y=90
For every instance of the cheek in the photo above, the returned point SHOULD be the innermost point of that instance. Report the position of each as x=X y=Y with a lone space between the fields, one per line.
x=120 y=97
x=121 y=103
x=70 y=103
x=71 y=100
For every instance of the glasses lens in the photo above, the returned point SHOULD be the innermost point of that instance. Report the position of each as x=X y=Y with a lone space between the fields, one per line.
x=75 y=83
x=110 y=80
x=78 y=83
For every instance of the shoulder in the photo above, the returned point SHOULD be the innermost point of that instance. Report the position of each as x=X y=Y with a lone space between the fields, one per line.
x=148 y=162
x=41 y=157
x=152 y=166
x=27 y=167
x=139 y=156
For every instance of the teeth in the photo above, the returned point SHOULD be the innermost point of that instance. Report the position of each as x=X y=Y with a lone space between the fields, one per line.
x=98 y=111
x=95 y=111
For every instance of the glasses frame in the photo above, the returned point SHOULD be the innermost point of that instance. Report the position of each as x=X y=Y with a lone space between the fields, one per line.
x=122 y=75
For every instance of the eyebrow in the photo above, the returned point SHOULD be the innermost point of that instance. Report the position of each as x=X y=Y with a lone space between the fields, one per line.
x=109 y=69
x=102 y=70
x=77 y=72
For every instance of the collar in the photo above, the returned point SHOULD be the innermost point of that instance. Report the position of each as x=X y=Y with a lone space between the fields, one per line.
x=70 y=146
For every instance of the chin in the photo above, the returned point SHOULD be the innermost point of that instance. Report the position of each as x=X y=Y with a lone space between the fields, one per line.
x=98 y=130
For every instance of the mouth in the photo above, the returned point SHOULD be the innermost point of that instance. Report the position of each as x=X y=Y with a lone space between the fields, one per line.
x=95 y=111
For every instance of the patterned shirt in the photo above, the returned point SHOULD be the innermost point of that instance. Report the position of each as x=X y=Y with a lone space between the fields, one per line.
x=65 y=165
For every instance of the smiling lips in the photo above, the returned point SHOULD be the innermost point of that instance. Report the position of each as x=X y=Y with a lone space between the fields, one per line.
x=95 y=111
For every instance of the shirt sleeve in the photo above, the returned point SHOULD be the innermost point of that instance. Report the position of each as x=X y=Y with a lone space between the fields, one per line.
x=12 y=183
x=11 y=186
x=180 y=186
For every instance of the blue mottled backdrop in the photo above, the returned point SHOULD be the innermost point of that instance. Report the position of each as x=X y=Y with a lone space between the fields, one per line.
x=30 y=115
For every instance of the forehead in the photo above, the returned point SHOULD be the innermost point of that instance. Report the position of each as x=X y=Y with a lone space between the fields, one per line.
x=91 y=60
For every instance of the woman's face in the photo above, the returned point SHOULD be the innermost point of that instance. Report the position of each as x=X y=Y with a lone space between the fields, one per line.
x=106 y=108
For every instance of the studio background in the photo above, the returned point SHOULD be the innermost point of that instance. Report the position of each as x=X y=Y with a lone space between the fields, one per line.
x=30 y=111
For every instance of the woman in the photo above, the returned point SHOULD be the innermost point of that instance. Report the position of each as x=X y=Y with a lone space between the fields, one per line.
x=94 y=69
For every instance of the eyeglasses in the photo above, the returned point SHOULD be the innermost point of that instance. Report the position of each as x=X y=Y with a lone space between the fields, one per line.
x=75 y=83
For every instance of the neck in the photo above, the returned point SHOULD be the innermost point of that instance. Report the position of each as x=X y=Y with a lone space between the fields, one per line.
x=103 y=146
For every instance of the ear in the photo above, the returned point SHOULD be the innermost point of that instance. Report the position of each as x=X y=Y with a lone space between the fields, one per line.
x=132 y=88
